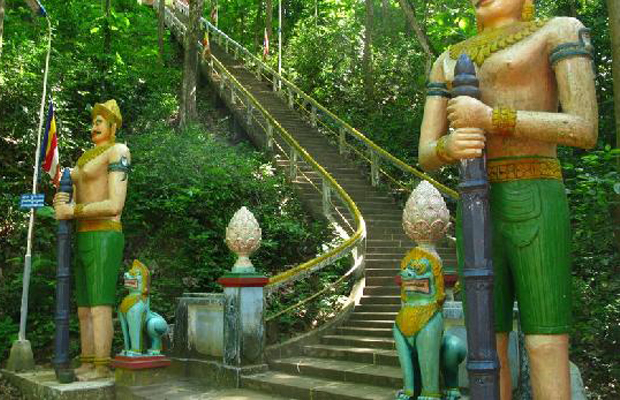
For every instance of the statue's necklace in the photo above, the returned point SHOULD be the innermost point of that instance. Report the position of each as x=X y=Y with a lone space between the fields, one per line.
x=93 y=153
x=483 y=45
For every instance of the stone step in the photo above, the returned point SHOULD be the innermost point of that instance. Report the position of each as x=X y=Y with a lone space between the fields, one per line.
x=185 y=390
x=312 y=388
x=383 y=315
x=372 y=271
x=394 y=299
x=378 y=307
x=342 y=371
x=381 y=290
x=393 y=263
x=394 y=248
x=359 y=341
x=352 y=353
x=365 y=331
x=388 y=230
x=386 y=324
x=387 y=256
x=381 y=281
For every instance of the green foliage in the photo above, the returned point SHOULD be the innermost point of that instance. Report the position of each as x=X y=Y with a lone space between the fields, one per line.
x=184 y=192
x=596 y=333
x=184 y=186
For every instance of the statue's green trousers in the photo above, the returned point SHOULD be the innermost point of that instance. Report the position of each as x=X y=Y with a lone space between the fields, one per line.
x=99 y=256
x=531 y=255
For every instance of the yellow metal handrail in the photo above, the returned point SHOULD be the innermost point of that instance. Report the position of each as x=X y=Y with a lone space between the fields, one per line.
x=277 y=79
x=356 y=241
x=343 y=249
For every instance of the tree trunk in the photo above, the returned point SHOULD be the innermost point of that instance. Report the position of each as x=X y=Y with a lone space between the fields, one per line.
x=190 y=64
x=367 y=54
x=269 y=18
x=258 y=32
x=160 y=27
x=613 y=9
x=107 y=34
x=385 y=10
x=431 y=54
x=1 y=24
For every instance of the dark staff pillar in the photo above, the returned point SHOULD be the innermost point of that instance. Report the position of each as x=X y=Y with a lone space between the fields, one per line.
x=482 y=362
x=61 y=361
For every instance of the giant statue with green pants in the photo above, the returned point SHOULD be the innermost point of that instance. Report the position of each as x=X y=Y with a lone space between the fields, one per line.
x=100 y=179
x=537 y=92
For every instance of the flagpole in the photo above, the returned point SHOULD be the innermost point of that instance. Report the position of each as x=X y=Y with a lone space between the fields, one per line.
x=35 y=179
x=280 y=42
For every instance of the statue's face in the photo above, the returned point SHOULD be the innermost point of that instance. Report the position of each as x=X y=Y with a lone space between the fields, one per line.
x=491 y=9
x=102 y=130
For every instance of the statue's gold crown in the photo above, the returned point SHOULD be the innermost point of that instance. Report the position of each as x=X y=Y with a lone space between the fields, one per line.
x=110 y=111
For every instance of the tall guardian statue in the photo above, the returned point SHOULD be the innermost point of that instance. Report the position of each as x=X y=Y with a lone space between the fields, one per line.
x=100 y=179
x=537 y=92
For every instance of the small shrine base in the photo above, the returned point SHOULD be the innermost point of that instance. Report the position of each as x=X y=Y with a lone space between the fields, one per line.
x=42 y=384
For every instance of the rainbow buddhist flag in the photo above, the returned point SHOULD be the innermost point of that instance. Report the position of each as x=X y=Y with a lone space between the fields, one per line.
x=266 y=45
x=49 y=148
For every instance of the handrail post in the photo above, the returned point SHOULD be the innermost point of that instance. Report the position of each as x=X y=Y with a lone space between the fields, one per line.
x=313 y=117
x=269 y=136
x=374 y=167
x=233 y=100
x=291 y=102
x=359 y=255
x=236 y=53
x=327 y=198
x=226 y=46
x=222 y=82
x=292 y=171
x=249 y=113
x=259 y=74
x=274 y=82
x=342 y=140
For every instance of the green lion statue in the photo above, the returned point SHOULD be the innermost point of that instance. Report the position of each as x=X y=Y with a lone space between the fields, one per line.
x=423 y=349
x=137 y=320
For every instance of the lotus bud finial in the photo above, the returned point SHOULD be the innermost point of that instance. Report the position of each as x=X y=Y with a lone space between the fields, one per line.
x=243 y=237
x=426 y=218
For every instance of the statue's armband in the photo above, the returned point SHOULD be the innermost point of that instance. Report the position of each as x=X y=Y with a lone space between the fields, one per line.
x=582 y=48
x=121 y=166
x=437 y=89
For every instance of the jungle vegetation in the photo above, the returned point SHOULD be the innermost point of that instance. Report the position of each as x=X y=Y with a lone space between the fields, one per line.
x=365 y=60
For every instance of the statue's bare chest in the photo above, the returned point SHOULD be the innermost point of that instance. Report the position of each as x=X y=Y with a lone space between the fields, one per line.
x=519 y=73
x=94 y=170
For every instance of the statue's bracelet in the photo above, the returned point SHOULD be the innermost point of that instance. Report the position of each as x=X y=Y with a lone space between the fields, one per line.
x=441 y=151
x=78 y=209
x=504 y=121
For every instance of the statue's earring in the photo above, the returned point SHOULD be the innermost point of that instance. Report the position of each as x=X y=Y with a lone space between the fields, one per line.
x=527 y=13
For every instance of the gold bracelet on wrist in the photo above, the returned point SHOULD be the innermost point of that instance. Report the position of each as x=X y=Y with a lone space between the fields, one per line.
x=441 y=151
x=504 y=121
x=78 y=209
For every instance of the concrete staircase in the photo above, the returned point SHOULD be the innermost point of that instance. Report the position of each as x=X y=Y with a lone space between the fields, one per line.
x=359 y=360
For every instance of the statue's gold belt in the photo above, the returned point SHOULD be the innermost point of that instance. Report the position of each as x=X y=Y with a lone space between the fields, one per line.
x=94 y=225
x=514 y=169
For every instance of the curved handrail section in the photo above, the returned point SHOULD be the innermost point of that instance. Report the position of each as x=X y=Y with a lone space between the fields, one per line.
x=318 y=109
x=349 y=244
x=355 y=242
